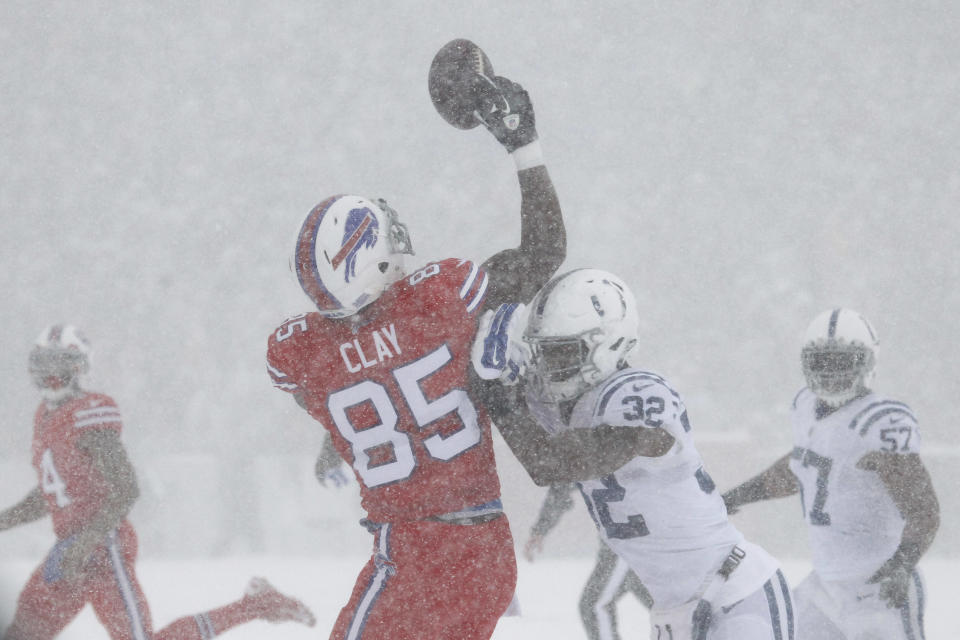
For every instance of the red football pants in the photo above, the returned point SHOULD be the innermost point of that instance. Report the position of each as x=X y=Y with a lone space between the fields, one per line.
x=108 y=583
x=432 y=580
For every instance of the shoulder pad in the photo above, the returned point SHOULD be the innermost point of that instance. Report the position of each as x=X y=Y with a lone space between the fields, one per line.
x=464 y=278
x=282 y=347
x=881 y=413
x=640 y=398
x=887 y=425
x=97 y=410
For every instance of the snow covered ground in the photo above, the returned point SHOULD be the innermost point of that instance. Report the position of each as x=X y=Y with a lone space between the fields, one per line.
x=548 y=591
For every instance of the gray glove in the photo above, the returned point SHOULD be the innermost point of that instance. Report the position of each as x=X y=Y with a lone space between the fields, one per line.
x=507 y=113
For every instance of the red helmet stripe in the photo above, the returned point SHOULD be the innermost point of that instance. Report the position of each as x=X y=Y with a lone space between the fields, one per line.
x=306 y=260
x=351 y=241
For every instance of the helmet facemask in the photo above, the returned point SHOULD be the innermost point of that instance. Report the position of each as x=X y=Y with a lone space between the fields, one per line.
x=839 y=356
x=398 y=236
x=557 y=366
x=837 y=371
x=57 y=361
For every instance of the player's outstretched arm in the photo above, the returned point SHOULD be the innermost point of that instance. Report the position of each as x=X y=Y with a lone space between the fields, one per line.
x=110 y=459
x=556 y=503
x=775 y=482
x=908 y=483
x=467 y=93
x=517 y=274
x=32 y=507
x=577 y=454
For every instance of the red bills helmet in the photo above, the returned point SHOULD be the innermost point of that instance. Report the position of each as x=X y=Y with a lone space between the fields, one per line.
x=61 y=354
x=580 y=328
x=839 y=355
x=348 y=251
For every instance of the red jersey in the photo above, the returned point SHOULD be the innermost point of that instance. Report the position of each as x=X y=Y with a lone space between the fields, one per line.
x=392 y=392
x=74 y=488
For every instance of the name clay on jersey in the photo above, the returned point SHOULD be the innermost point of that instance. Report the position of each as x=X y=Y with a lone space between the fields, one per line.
x=393 y=392
x=377 y=345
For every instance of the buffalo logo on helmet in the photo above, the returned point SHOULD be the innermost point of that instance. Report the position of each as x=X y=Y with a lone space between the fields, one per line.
x=360 y=231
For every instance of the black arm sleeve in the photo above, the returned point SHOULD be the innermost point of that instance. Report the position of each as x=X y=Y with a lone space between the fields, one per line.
x=574 y=454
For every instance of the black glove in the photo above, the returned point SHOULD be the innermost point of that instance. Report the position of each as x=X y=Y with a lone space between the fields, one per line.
x=894 y=581
x=702 y=616
x=506 y=111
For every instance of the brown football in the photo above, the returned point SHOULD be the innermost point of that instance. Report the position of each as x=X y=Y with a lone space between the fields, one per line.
x=459 y=78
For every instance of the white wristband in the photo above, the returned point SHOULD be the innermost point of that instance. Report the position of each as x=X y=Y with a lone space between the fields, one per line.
x=527 y=156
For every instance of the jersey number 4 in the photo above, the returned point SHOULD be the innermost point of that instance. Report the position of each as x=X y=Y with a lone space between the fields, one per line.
x=424 y=412
x=50 y=480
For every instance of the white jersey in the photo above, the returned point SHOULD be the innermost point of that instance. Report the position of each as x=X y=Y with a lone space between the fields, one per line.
x=664 y=515
x=853 y=523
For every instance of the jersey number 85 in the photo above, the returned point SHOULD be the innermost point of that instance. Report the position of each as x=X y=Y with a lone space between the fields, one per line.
x=424 y=411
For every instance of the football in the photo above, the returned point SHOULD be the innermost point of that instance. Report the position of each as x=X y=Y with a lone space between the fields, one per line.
x=460 y=77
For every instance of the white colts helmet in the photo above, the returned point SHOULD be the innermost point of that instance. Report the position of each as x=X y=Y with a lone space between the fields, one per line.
x=348 y=251
x=839 y=355
x=60 y=355
x=581 y=326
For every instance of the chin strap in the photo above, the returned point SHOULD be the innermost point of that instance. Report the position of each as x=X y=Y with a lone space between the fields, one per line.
x=55 y=397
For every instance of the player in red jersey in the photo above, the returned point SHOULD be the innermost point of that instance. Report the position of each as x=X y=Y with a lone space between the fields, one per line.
x=87 y=486
x=384 y=365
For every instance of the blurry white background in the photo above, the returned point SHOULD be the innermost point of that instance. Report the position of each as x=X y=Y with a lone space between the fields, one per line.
x=742 y=165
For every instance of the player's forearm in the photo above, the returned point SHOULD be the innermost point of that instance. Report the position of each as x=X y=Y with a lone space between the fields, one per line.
x=543 y=236
x=775 y=482
x=115 y=509
x=546 y=460
x=517 y=274
x=911 y=488
x=582 y=454
x=566 y=457
x=557 y=502
x=31 y=508
x=918 y=535
x=923 y=522
x=908 y=553
x=908 y=483
x=529 y=447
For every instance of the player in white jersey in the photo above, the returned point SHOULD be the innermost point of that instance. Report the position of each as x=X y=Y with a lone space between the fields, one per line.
x=610 y=580
x=867 y=499
x=660 y=511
